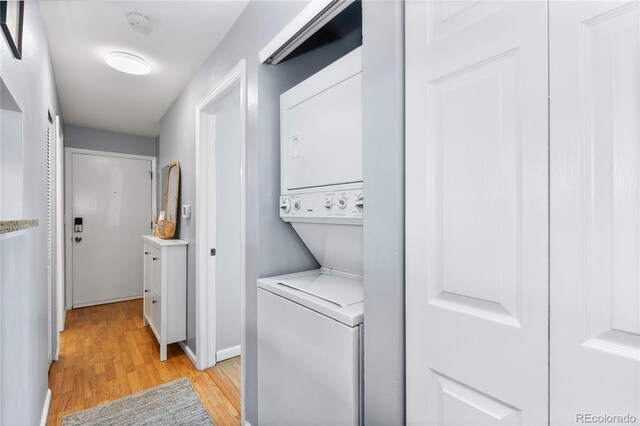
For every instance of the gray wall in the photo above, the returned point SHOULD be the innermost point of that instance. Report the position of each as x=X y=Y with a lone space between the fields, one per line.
x=383 y=92
x=102 y=140
x=23 y=265
x=272 y=247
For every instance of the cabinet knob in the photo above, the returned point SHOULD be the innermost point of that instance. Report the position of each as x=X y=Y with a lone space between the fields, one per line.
x=146 y=291
x=155 y=258
x=154 y=301
x=146 y=253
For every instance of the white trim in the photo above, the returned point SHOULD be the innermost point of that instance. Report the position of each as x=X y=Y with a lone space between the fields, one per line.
x=304 y=25
x=246 y=423
x=205 y=297
x=60 y=272
x=49 y=233
x=68 y=209
x=108 y=154
x=45 y=409
x=187 y=350
x=224 y=354
x=106 y=302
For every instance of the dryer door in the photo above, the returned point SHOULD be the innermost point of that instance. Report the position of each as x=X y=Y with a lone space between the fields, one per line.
x=322 y=137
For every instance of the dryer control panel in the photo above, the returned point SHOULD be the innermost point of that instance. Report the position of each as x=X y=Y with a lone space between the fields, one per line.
x=347 y=204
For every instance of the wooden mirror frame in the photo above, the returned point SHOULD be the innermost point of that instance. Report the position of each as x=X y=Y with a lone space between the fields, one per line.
x=167 y=228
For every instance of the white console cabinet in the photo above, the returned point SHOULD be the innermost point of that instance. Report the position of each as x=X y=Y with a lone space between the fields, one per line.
x=165 y=290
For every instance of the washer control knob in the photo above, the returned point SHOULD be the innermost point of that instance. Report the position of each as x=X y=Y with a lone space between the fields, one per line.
x=285 y=205
x=328 y=204
x=342 y=203
x=296 y=205
x=360 y=201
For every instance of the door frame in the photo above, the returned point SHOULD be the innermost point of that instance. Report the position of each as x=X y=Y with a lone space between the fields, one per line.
x=59 y=279
x=68 y=206
x=205 y=292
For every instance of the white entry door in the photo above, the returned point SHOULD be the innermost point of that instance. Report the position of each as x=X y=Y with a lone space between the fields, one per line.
x=477 y=213
x=111 y=195
x=595 y=210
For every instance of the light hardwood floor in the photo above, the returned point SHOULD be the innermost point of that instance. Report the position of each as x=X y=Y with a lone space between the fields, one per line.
x=106 y=354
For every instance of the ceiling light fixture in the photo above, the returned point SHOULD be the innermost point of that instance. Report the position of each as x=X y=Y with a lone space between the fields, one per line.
x=127 y=63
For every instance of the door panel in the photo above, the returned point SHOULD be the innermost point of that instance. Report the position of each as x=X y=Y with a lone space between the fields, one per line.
x=156 y=270
x=113 y=196
x=148 y=306
x=458 y=404
x=156 y=315
x=148 y=267
x=595 y=212
x=477 y=222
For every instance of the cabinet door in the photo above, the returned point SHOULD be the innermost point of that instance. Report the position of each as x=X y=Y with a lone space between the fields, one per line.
x=477 y=212
x=148 y=306
x=148 y=267
x=595 y=211
x=156 y=309
x=156 y=268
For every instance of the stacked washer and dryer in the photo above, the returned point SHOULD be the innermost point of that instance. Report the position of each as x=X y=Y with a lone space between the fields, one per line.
x=310 y=323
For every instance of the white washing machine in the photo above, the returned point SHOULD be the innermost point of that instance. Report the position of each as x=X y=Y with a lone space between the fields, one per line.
x=309 y=362
x=310 y=323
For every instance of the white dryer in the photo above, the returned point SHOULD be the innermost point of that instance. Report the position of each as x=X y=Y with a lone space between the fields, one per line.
x=310 y=323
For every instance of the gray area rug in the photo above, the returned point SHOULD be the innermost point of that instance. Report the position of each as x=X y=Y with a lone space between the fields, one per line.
x=173 y=403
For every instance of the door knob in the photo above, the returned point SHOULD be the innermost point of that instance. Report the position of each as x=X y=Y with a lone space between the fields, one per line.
x=78 y=239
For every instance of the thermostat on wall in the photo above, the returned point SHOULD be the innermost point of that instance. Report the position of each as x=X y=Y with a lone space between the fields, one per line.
x=186 y=211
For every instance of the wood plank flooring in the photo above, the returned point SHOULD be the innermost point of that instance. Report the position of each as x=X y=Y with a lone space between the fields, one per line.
x=106 y=354
x=226 y=375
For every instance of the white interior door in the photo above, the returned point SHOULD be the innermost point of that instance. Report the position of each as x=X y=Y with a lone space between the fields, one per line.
x=477 y=213
x=226 y=157
x=595 y=212
x=112 y=195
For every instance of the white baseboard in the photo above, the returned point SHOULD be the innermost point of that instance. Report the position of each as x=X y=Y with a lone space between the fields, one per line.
x=45 y=409
x=106 y=302
x=246 y=423
x=189 y=353
x=227 y=353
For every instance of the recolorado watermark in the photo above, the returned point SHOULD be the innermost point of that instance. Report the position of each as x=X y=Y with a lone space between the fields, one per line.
x=588 y=418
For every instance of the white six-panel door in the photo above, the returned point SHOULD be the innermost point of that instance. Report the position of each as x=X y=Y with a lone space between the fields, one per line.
x=595 y=212
x=477 y=213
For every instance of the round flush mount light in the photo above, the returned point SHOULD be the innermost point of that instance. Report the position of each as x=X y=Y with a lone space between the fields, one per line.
x=127 y=63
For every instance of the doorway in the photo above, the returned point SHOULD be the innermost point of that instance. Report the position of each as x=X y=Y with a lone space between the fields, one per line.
x=220 y=261
x=109 y=206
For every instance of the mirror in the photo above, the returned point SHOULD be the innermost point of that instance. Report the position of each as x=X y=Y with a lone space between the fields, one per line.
x=168 y=218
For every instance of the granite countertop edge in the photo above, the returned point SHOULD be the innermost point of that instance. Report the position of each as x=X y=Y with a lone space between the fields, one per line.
x=7 y=226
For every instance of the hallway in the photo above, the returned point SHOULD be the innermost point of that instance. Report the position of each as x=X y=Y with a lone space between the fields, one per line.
x=106 y=354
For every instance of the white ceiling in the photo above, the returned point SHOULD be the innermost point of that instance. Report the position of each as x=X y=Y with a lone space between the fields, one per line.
x=94 y=95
